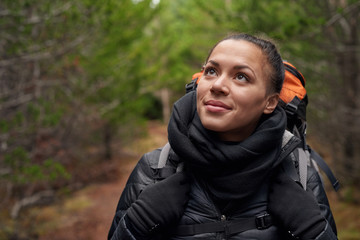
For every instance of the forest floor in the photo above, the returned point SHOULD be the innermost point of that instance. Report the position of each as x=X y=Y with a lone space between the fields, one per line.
x=87 y=213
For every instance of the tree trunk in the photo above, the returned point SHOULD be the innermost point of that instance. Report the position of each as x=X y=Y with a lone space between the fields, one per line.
x=107 y=141
x=165 y=100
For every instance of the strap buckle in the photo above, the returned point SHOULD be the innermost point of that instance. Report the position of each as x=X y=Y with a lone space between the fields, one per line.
x=291 y=108
x=191 y=85
x=263 y=221
x=336 y=185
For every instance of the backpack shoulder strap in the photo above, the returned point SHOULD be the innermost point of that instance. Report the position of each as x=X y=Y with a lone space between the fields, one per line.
x=164 y=156
x=303 y=164
x=288 y=167
x=304 y=158
x=323 y=165
x=296 y=159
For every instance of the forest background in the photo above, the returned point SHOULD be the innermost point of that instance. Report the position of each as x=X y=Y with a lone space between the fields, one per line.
x=80 y=80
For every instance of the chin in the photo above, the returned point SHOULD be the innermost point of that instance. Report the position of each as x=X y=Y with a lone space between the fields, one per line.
x=213 y=126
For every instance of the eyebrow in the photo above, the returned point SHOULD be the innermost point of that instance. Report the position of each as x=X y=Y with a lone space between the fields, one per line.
x=214 y=63
x=235 y=67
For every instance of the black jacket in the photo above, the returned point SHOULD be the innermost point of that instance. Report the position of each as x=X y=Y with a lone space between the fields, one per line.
x=202 y=209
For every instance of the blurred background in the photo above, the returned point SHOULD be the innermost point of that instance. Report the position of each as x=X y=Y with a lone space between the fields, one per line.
x=87 y=86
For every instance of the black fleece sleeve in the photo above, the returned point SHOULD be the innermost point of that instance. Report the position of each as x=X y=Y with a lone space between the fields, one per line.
x=140 y=177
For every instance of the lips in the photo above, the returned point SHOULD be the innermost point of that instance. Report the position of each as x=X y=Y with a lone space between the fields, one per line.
x=216 y=106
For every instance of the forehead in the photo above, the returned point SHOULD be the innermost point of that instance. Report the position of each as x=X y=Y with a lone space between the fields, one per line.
x=239 y=50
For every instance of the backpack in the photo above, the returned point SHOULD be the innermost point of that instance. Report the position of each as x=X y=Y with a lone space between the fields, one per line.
x=294 y=100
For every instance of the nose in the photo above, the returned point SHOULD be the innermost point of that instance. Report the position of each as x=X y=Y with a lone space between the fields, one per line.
x=220 y=85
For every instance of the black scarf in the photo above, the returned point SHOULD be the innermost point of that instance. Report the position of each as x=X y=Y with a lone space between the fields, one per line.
x=232 y=170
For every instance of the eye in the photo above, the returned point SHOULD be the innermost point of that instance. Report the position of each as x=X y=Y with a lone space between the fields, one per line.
x=210 y=71
x=241 y=77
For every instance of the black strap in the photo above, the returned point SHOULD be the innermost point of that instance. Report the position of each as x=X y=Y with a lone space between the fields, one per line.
x=162 y=173
x=322 y=164
x=291 y=146
x=292 y=106
x=229 y=227
x=191 y=86
x=289 y=168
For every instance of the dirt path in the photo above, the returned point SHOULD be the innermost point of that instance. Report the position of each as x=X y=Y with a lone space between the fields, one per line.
x=88 y=213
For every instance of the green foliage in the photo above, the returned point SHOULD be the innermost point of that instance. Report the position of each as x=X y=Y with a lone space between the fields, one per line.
x=115 y=64
x=4 y=127
x=24 y=171
x=51 y=115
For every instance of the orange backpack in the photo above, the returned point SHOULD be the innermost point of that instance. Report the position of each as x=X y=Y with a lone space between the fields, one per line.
x=293 y=99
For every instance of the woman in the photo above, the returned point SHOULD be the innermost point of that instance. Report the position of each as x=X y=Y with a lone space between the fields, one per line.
x=229 y=134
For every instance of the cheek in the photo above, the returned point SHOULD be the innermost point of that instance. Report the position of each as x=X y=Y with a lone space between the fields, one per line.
x=250 y=103
x=200 y=92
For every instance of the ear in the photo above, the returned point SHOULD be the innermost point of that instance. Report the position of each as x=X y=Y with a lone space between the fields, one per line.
x=271 y=103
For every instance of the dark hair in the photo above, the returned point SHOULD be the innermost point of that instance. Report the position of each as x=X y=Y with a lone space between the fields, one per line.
x=273 y=57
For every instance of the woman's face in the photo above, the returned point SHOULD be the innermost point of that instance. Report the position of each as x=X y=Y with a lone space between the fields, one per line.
x=232 y=93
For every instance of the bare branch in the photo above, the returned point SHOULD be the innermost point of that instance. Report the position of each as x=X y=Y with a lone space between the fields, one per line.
x=16 y=102
x=338 y=16
x=37 y=84
x=109 y=107
x=37 y=19
x=42 y=55
x=5 y=13
x=54 y=13
x=39 y=198
x=4 y=171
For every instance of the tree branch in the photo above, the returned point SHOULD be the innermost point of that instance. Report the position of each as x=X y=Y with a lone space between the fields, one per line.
x=339 y=16
x=42 y=55
x=37 y=19
x=37 y=84
x=16 y=102
x=39 y=198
